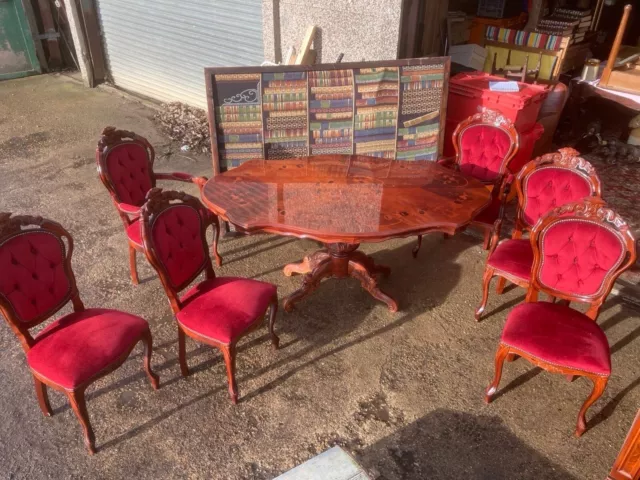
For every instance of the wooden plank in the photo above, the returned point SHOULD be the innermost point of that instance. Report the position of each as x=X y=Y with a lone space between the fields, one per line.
x=55 y=58
x=606 y=73
x=303 y=55
x=94 y=41
x=524 y=48
x=291 y=56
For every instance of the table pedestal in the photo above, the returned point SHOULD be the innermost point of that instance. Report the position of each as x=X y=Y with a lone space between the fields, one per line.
x=337 y=260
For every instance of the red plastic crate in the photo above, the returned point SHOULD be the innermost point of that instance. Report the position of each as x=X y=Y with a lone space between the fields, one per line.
x=528 y=141
x=469 y=92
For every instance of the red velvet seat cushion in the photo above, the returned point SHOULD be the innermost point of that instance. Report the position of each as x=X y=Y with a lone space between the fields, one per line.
x=559 y=335
x=578 y=255
x=80 y=345
x=551 y=187
x=134 y=232
x=483 y=149
x=514 y=257
x=32 y=274
x=224 y=308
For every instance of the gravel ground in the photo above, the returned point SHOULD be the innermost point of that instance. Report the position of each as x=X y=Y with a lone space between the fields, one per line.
x=402 y=392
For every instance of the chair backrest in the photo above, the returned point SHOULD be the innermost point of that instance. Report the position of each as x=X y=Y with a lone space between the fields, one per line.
x=485 y=143
x=36 y=279
x=579 y=250
x=550 y=181
x=174 y=239
x=125 y=165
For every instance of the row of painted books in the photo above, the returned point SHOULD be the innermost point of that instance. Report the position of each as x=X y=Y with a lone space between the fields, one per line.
x=567 y=22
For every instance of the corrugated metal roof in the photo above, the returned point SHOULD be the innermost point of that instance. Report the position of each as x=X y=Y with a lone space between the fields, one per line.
x=159 y=48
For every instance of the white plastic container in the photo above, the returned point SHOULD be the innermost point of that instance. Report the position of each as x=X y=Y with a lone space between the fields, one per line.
x=469 y=55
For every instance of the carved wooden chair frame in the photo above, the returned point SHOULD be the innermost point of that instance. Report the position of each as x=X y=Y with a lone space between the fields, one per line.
x=567 y=158
x=111 y=138
x=501 y=184
x=12 y=226
x=157 y=202
x=592 y=209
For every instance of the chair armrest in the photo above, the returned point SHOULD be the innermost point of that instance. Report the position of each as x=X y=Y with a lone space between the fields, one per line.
x=503 y=194
x=176 y=176
x=128 y=209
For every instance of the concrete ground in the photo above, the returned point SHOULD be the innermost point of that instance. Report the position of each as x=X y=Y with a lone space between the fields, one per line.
x=402 y=392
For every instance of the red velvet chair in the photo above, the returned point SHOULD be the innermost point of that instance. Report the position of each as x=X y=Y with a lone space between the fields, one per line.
x=218 y=311
x=484 y=144
x=75 y=350
x=544 y=183
x=579 y=250
x=125 y=166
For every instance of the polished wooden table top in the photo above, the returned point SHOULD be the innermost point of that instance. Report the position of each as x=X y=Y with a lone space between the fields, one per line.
x=345 y=198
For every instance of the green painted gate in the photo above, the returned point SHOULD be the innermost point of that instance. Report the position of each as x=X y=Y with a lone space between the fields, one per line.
x=17 y=52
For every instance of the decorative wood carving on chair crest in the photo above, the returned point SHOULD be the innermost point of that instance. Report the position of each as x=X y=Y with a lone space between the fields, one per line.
x=12 y=224
x=569 y=158
x=111 y=136
x=493 y=117
x=595 y=208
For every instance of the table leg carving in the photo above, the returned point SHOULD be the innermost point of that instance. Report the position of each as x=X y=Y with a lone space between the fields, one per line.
x=307 y=264
x=309 y=283
x=338 y=260
x=369 y=264
x=360 y=272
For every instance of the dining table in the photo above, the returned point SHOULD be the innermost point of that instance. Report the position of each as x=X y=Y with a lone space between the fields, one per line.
x=342 y=201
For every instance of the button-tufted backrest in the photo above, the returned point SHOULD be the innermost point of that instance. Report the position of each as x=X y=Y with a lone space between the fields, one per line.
x=549 y=187
x=577 y=255
x=33 y=278
x=129 y=171
x=178 y=243
x=483 y=151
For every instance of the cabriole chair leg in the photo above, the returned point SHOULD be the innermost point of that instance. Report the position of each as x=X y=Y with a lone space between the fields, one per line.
x=43 y=397
x=501 y=354
x=148 y=350
x=273 y=310
x=599 y=384
x=132 y=265
x=486 y=280
x=79 y=407
x=182 y=354
x=229 y=354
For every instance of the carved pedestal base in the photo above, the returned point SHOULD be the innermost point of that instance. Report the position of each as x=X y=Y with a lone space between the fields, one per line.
x=337 y=260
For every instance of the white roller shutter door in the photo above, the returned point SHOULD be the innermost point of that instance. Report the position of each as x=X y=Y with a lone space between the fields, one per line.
x=159 y=48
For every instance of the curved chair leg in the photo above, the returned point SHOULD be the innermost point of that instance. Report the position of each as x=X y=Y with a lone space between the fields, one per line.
x=132 y=265
x=148 y=349
x=229 y=354
x=214 y=247
x=43 y=397
x=501 y=354
x=79 y=406
x=416 y=249
x=512 y=357
x=502 y=282
x=599 y=384
x=273 y=310
x=182 y=354
x=487 y=239
x=486 y=280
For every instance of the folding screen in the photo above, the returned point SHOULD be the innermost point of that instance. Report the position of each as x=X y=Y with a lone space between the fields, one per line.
x=390 y=109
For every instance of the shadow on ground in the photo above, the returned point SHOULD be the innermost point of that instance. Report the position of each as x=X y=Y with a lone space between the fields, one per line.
x=446 y=444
